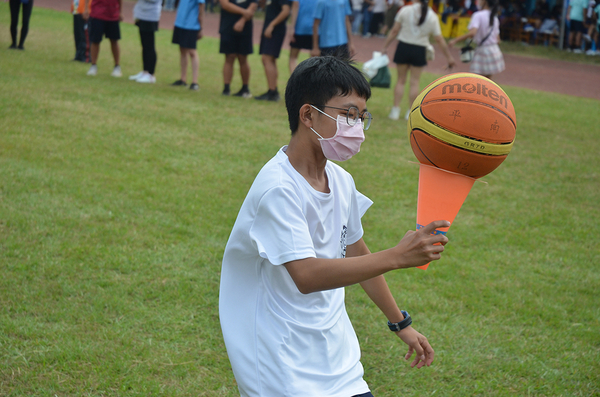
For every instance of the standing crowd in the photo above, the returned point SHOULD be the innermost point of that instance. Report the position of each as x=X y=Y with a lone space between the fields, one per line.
x=319 y=27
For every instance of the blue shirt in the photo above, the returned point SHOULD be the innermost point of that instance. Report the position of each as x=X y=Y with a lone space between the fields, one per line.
x=577 y=7
x=187 y=14
x=305 y=20
x=332 y=29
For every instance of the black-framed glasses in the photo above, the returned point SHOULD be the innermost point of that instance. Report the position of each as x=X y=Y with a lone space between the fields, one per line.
x=353 y=114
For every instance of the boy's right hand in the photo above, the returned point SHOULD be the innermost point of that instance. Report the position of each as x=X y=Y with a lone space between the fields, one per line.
x=420 y=247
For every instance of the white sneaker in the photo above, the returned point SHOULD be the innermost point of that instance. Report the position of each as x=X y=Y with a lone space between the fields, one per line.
x=116 y=72
x=146 y=78
x=136 y=76
x=577 y=51
x=93 y=70
x=407 y=115
x=394 y=113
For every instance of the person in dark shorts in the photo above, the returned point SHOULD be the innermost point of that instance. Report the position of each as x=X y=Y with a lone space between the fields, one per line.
x=332 y=29
x=104 y=18
x=413 y=27
x=273 y=34
x=302 y=28
x=236 y=29
x=187 y=31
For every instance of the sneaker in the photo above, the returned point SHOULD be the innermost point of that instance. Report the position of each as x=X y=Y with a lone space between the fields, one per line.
x=116 y=72
x=243 y=93
x=407 y=115
x=194 y=87
x=577 y=51
x=12 y=47
x=272 y=96
x=136 y=76
x=179 y=83
x=147 y=78
x=394 y=113
x=93 y=70
x=590 y=52
x=226 y=92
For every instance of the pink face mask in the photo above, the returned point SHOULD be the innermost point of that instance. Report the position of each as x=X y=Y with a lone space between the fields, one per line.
x=346 y=141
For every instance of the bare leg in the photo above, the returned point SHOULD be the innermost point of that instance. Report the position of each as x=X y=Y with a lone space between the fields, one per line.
x=195 y=65
x=399 y=89
x=95 y=51
x=183 y=63
x=228 y=68
x=244 y=69
x=116 y=52
x=294 y=52
x=270 y=64
x=415 y=77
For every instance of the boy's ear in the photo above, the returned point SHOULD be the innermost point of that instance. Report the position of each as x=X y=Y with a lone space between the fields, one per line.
x=306 y=115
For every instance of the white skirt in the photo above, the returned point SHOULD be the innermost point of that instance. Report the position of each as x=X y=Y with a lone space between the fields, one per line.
x=487 y=60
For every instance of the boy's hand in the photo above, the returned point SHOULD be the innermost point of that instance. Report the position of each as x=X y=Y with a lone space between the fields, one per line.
x=239 y=25
x=268 y=32
x=199 y=34
x=419 y=344
x=420 y=247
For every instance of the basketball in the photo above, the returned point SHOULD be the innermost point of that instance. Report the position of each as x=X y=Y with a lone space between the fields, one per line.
x=462 y=123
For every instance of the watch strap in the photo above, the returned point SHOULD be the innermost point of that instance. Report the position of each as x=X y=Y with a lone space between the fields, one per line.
x=395 y=327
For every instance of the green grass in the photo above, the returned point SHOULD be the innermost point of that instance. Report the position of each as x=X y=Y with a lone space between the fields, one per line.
x=117 y=199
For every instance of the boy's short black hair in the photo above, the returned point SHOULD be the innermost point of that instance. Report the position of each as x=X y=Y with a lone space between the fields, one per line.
x=316 y=80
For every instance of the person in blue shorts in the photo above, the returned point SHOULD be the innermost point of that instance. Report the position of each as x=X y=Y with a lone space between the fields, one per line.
x=332 y=30
x=302 y=29
x=236 y=28
x=273 y=34
x=187 y=31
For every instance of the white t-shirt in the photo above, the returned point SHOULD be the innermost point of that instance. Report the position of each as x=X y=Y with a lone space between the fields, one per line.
x=281 y=342
x=481 y=21
x=411 y=32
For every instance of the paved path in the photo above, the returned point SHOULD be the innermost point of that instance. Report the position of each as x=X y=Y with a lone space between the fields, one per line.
x=534 y=73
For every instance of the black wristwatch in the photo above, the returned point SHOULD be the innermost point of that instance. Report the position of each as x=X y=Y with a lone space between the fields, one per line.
x=395 y=327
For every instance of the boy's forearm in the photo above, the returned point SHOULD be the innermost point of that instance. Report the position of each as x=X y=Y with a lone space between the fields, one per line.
x=379 y=292
x=285 y=12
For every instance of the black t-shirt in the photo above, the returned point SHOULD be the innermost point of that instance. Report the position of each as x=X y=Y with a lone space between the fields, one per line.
x=229 y=19
x=272 y=10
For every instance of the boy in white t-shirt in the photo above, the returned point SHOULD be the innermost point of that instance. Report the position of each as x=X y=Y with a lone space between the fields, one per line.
x=297 y=242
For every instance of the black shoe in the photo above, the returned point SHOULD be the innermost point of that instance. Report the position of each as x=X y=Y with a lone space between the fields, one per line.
x=20 y=48
x=272 y=96
x=12 y=47
x=179 y=83
x=194 y=87
x=243 y=93
x=226 y=92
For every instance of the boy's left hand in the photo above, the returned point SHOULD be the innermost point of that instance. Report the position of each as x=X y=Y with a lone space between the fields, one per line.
x=419 y=344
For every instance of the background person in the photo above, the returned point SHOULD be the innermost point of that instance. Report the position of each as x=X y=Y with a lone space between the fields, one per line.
x=484 y=29
x=187 y=31
x=15 y=6
x=332 y=30
x=236 y=29
x=147 y=15
x=273 y=34
x=80 y=30
x=302 y=29
x=104 y=18
x=413 y=26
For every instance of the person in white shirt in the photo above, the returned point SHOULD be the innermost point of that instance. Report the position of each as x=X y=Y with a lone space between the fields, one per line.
x=484 y=29
x=297 y=242
x=413 y=26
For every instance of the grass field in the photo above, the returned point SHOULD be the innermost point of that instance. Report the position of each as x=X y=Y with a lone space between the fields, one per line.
x=117 y=199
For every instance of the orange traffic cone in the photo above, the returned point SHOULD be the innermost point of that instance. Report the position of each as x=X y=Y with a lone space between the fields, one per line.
x=441 y=194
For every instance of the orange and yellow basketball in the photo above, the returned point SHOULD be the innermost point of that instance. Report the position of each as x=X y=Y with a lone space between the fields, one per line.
x=463 y=123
